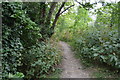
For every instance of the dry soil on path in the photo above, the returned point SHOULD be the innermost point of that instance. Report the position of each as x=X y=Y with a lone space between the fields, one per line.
x=72 y=68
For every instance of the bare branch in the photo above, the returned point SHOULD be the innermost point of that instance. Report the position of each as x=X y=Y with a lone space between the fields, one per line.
x=66 y=9
x=57 y=15
x=56 y=18
x=78 y=2
x=84 y=4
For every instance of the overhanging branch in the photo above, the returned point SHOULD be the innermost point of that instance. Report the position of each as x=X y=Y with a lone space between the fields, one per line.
x=86 y=4
x=66 y=9
x=57 y=15
x=79 y=2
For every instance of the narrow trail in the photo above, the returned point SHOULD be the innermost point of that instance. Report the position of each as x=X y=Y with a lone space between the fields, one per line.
x=71 y=66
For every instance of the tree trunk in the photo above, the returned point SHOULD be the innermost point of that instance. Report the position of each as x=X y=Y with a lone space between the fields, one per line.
x=55 y=20
x=49 y=16
x=45 y=29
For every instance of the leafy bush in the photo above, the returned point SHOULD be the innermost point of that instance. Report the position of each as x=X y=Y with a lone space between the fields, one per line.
x=102 y=45
x=40 y=60
x=17 y=75
x=11 y=52
x=15 y=35
x=22 y=53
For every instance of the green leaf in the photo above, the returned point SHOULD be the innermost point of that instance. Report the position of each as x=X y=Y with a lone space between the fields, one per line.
x=95 y=55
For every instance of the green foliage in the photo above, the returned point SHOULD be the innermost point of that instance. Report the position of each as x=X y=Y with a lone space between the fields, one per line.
x=15 y=18
x=72 y=23
x=40 y=60
x=34 y=11
x=100 y=45
x=97 y=43
x=106 y=16
x=119 y=19
x=17 y=75
x=11 y=51
x=23 y=54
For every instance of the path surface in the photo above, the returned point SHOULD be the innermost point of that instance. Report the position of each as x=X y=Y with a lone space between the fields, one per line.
x=71 y=66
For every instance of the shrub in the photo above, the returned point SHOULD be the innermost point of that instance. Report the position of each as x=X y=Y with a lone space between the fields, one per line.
x=40 y=60
x=22 y=53
x=103 y=46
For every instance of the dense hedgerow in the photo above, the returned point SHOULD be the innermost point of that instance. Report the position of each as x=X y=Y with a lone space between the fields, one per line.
x=23 y=55
x=39 y=60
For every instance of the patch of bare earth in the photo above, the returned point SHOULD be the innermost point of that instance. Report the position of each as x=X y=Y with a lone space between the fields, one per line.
x=72 y=68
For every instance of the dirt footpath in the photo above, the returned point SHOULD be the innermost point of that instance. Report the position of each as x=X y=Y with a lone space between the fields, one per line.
x=71 y=66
